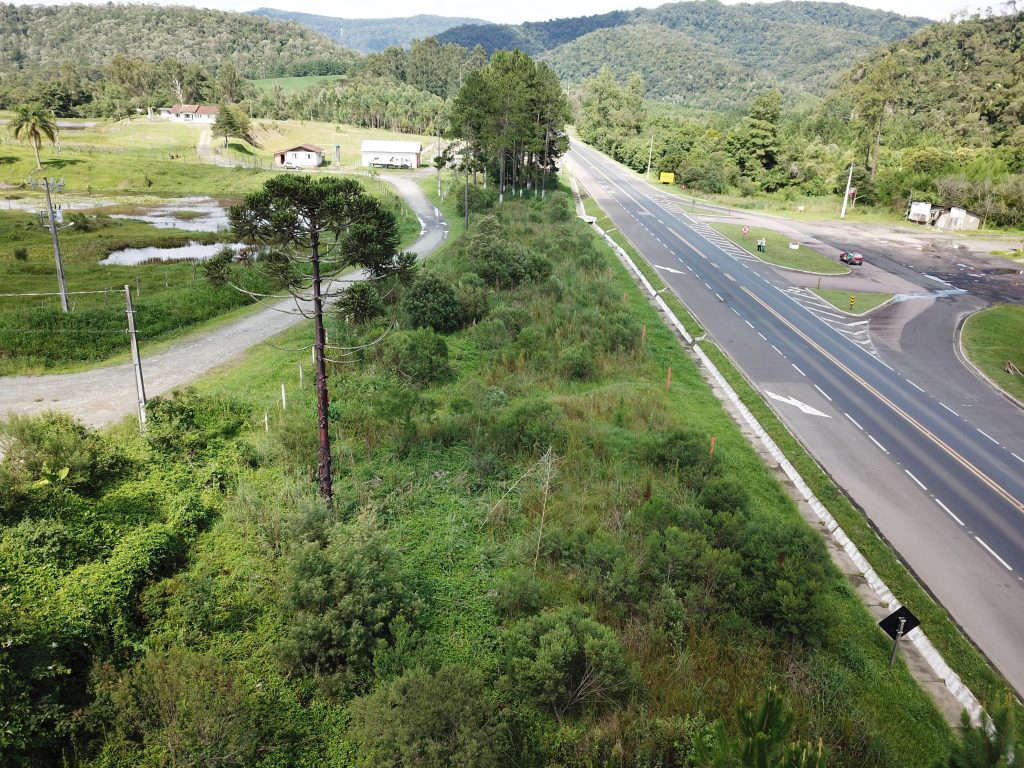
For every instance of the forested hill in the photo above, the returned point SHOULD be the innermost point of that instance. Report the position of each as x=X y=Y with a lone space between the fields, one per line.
x=702 y=52
x=371 y=35
x=91 y=35
x=952 y=81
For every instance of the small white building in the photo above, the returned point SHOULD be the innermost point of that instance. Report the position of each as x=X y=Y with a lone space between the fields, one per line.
x=192 y=113
x=391 y=154
x=942 y=217
x=302 y=156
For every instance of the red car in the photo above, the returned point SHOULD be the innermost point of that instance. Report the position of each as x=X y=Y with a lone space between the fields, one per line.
x=851 y=257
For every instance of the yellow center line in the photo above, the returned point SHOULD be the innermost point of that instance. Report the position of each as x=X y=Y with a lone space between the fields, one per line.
x=952 y=452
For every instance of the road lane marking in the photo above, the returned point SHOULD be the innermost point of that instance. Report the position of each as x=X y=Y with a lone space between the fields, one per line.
x=766 y=339
x=950 y=513
x=858 y=426
x=914 y=385
x=991 y=551
x=707 y=286
x=750 y=324
x=950 y=451
x=719 y=297
x=880 y=446
x=911 y=476
x=823 y=393
x=730 y=277
x=798 y=370
x=735 y=312
x=777 y=350
x=986 y=434
x=950 y=410
x=808 y=409
x=1018 y=458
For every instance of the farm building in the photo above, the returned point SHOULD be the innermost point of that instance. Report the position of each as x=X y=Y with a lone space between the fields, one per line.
x=302 y=156
x=391 y=154
x=192 y=113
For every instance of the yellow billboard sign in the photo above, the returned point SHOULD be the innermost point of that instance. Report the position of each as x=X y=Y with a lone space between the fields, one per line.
x=667 y=178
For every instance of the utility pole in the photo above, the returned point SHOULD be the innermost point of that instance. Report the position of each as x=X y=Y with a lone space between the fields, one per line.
x=140 y=387
x=650 y=155
x=62 y=283
x=846 y=195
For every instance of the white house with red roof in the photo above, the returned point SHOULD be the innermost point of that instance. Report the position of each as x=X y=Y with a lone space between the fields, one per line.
x=203 y=114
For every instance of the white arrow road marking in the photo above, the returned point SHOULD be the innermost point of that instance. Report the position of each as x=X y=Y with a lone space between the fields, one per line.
x=669 y=269
x=802 y=406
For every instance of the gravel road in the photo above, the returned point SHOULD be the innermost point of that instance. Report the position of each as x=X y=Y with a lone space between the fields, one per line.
x=105 y=395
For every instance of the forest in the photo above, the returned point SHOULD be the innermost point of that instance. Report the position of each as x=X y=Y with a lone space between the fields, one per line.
x=937 y=116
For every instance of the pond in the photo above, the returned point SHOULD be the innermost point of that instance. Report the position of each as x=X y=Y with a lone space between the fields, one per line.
x=130 y=257
x=193 y=214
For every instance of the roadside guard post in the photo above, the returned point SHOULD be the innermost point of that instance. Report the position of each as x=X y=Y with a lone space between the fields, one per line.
x=896 y=625
x=853 y=300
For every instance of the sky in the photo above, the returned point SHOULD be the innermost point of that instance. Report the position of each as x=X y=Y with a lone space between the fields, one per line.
x=533 y=10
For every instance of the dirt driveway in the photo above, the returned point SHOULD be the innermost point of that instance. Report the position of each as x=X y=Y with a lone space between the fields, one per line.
x=105 y=395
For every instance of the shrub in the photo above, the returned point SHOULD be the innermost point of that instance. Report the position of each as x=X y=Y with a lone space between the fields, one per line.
x=577 y=363
x=518 y=593
x=188 y=424
x=430 y=302
x=558 y=207
x=480 y=199
x=341 y=603
x=360 y=303
x=528 y=426
x=678 y=449
x=724 y=494
x=21 y=254
x=565 y=661
x=419 y=357
x=430 y=720
x=473 y=297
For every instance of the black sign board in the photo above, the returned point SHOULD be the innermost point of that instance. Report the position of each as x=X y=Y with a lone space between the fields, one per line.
x=891 y=623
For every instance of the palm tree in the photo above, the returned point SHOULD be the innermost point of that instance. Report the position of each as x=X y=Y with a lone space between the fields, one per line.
x=32 y=122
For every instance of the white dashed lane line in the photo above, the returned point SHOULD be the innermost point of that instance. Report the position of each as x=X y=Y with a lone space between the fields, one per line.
x=989 y=549
x=914 y=385
x=750 y=324
x=950 y=410
x=1018 y=458
x=734 y=310
x=950 y=513
x=766 y=339
x=777 y=350
x=823 y=394
x=858 y=426
x=911 y=476
x=798 y=370
x=985 y=434
x=880 y=446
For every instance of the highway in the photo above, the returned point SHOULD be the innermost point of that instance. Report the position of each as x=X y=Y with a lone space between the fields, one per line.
x=946 y=494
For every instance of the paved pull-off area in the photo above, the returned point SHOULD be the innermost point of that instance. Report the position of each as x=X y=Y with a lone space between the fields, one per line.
x=105 y=395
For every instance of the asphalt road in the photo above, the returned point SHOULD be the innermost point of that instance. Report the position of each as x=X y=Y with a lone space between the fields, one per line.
x=105 y=395
x=947 y=494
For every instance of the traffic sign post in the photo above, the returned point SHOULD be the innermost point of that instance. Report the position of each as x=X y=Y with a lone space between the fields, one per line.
x=896 y=625
x=746 y=230
x=853 y=300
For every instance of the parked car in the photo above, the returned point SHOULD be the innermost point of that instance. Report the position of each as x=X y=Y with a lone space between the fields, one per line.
x=292 y=167
x=851 y=257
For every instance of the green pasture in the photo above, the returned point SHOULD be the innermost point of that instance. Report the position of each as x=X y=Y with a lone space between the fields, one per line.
x=994 y=337
x=805 y=259
x=864 y=302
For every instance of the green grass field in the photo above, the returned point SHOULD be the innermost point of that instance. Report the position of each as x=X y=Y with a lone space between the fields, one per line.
x=994 y=337
x=292 y=85
x=806 y=259
x=864 y=301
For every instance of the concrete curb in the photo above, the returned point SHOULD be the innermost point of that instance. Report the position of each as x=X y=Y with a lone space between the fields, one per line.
x=963 y=695
x=962 y=354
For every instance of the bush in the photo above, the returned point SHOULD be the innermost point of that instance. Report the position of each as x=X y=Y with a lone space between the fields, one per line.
x=360 y=303
x=430 y=302
x=678 y=449
x=480 y=199
x=419 y=357
x=342 y=601
x=473 y=297
x=558 y=207
x=188 y=424
x=528 y=426
x=724 y=494
x=430 y=720
x=21 y=254
x=518 y=593
x=564 y=661
x=577 y=363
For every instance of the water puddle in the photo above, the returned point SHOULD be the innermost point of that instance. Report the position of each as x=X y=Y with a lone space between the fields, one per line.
x=192 y=214
x=130 y=257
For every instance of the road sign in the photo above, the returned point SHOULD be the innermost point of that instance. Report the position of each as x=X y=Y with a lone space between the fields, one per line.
x=853 y=300
x=746 y=230
x=891 y=623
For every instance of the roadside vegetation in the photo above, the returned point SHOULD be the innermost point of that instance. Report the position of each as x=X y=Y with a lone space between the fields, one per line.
x=540 y=552
x=992 y=340
x=778 y=252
